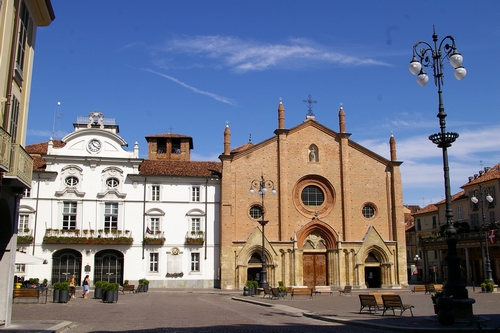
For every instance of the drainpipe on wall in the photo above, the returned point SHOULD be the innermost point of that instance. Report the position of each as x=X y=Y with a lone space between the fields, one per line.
x=206 y=216
x=36 y=212
x=144 y=215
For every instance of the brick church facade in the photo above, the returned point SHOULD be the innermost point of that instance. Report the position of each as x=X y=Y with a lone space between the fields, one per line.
x=336 y=219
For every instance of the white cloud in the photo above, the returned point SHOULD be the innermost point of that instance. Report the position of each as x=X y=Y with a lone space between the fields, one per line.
x=245 y=55
x=193 y=89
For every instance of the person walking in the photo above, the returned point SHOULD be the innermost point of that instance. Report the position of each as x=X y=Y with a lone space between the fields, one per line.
x=72 y=286
x=85 y=284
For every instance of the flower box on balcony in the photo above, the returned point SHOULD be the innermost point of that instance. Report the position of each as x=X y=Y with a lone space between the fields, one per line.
x=154 y=241
x=88 y=240
x=24 y=239
x=194 y=241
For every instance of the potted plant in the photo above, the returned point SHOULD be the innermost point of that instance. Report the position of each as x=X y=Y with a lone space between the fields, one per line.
x=252 y=286
x=98 y=289
x=281 y=288
x=487 y=286
x=64 y=292
x=125 y=282
x=434 y=298
x=55 y=293
x=145 y=282
x=45 y=281
x=111 y=293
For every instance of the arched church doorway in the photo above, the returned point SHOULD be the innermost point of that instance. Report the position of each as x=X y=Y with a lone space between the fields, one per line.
x=109 y=266
x=314 y=262
x=254 y=267
x=65 y=263
x=373 y=276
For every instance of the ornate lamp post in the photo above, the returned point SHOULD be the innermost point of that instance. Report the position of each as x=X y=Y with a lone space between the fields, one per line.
x=485 y=197
x=433 y=56
x=415 y=270
x=262 y=186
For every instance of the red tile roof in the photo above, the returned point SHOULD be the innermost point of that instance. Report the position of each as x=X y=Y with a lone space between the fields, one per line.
x=242 y=147
x=490 y=174
x=38 y=149
x=180 y=168
x=427 y=209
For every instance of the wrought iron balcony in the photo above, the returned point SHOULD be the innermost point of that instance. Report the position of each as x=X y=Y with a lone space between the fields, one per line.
x=195 y=238
x=21 y=167
x=4 y=150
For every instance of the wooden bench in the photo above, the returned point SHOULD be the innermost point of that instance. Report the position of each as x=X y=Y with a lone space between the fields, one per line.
x=27 y=293
x=378 y=297
x=346 y=290
x=369 y=301
x=431 y=288
x=322 y=289
x=128 y=287
x=302 y=291
x=419 y=288
x=266 y=292
x=395 y=302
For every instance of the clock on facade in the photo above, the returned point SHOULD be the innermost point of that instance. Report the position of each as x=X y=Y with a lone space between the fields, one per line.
x=94 y=145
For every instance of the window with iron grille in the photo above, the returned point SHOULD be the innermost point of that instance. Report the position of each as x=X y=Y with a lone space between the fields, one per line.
x=195 y=193
x=195 y=262
x=69 y=215
x=195 y=224
x=312 y=196
x=155 y=224
x=110 y=216
x=24 y=220
x=155 y=193
x=153 y=262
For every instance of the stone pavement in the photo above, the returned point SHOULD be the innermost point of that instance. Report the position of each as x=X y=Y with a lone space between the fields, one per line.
x=330 y=308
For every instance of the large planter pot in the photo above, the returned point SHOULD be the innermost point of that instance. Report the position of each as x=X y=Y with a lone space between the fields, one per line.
x=63 y=296
x=111 y=296
x=145 y=287
x=446 y=316
x=98 y=293
x=55 y=296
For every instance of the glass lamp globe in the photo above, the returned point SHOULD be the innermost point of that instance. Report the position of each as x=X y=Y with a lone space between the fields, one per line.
x=415 y=66
x=422 y=79
x=460 y=72
x=456 y=59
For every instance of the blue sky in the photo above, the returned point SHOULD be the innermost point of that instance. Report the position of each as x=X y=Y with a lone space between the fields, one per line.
x=190 y=66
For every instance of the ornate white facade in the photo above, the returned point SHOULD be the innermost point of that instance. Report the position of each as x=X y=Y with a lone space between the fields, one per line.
x=95 y=208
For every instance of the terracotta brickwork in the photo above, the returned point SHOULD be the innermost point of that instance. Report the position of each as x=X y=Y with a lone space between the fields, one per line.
x=350 y=177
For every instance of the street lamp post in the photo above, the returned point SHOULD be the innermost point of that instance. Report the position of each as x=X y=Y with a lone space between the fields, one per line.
x=415 y=271
x=484 y=193
x=262 y=186
x=433 y=56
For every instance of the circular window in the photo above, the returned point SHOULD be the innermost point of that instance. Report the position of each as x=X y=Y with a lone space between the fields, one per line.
x=368 y=211
x=71 y=181
x=313 y=194
x=112 y=182
x=255 y=212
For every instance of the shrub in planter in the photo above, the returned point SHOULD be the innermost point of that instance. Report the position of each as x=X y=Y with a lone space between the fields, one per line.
x=111 y=293
x=487 y=286
x=252 y=286
x=64 y=292
x=98 y=289
x=55 y=294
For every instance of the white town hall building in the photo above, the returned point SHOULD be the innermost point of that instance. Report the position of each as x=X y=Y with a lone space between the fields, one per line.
x=95 y=208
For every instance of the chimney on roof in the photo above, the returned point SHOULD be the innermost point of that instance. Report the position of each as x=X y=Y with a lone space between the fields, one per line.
x=475 y=176
x=481 y=173
x=470 y=179
x=486 y=169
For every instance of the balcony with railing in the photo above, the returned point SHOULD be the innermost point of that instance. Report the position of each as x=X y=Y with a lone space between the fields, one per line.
x=76 y=236
x=4 y=150
x=25 y=236
x=154 y=238
x=21 y=167
x=195 y=238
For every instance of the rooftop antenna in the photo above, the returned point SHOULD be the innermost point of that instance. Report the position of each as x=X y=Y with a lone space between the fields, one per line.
x=310 y=103
x=55 y=124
